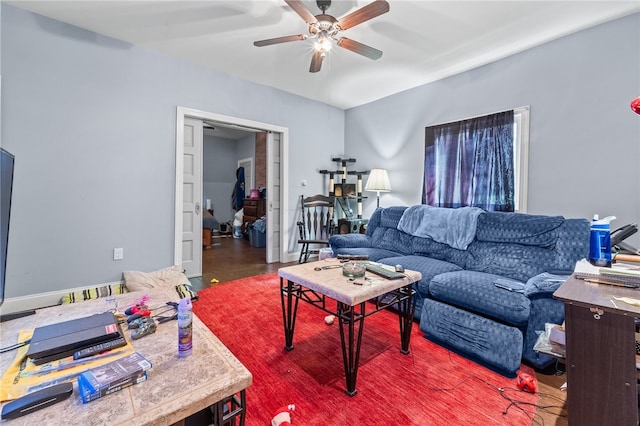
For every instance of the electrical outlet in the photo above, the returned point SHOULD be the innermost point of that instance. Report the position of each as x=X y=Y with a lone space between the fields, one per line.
x=118 y=253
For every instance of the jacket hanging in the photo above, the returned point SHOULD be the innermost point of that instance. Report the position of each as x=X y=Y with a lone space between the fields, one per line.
x=237 y=198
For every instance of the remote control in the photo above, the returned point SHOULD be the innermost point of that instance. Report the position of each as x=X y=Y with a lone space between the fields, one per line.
x=37 y=400
x=100 y=347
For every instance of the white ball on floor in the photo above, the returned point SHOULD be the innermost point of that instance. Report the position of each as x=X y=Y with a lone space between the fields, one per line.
x=329 y=319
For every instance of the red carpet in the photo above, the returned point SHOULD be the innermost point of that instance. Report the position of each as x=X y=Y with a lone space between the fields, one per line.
x=431 y=386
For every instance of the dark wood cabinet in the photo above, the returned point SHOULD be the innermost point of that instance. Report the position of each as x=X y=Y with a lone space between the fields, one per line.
x=254 y=209
x=601 y=359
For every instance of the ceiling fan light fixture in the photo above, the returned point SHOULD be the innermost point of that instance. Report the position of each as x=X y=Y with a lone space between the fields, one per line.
x=323 y=42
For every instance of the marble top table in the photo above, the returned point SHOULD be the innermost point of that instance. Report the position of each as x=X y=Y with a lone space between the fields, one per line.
x=305 y=282
x=333 y=284
x=175 y=387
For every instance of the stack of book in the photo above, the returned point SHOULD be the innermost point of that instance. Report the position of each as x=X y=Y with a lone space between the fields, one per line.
x=620 y=274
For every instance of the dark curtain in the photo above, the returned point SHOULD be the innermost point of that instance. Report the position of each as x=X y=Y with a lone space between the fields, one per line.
x=470 y=163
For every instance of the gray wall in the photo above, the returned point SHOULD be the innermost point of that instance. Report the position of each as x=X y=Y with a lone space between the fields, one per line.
x=585 y=139
x=91 y=121
x=219 y=159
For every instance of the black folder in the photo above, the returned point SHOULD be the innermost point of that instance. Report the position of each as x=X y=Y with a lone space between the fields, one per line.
x=56 y=341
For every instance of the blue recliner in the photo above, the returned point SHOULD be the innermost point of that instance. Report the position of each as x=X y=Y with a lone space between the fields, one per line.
x=490 y=300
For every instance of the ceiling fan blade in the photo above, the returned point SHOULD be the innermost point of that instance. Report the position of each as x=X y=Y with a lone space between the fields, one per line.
x=299 y=7
x=359 y=48
x=277 y=40
x=363 y=14
x=316 y=61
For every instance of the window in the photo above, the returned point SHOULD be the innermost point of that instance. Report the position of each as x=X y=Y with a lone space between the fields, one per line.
x=521 y=156
x=480 y=162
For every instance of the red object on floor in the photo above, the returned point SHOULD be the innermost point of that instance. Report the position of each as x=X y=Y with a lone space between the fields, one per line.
x=282 y=417
x=526 y=382
x=430 y=386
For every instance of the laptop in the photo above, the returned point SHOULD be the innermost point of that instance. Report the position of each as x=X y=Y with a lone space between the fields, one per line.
x=60 y=340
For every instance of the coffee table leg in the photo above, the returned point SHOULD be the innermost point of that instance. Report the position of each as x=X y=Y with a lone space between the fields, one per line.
x=289 y=311
x=351 y=344
x=406 y=309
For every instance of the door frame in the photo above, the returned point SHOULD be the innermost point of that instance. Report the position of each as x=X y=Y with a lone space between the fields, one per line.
x=252 y=182
x=181 y=113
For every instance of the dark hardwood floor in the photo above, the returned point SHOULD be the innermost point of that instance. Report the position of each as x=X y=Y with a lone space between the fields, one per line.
x=230 y=259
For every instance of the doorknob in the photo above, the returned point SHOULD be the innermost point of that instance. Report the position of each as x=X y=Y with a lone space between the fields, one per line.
x=198 y=207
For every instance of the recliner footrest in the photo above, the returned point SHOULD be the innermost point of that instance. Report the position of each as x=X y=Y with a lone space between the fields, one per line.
x=492 y=343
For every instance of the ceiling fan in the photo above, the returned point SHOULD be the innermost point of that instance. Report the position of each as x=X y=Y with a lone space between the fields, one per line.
x=325 y=29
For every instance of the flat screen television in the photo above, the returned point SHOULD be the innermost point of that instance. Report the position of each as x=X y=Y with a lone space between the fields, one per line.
x=6 y=187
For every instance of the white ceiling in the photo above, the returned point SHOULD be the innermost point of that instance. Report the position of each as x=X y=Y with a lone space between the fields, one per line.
x=422 y=41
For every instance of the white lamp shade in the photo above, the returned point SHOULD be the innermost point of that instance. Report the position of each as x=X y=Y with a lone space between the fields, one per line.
x=378 y=181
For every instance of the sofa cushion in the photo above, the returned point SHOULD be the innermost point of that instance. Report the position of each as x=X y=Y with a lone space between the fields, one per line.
x=392 y=239
x=167 y=277
x=373 y=253
x=430 y=248
x=390 y=216
x=515 y=261
x=477 y=292
x=428 y=267
x=525 y=229
x=339 y=241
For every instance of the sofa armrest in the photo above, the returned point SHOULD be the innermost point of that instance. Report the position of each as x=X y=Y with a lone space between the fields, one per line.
x=543 y=285
x=349 y=241
x=544 y=309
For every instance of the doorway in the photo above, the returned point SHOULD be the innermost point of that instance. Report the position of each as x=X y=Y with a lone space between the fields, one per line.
x=249 y=176
x=185 y=241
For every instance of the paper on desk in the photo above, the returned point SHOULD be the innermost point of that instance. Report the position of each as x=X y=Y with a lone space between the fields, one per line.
x=628 y=300
x=583 y=267
x=23 y=376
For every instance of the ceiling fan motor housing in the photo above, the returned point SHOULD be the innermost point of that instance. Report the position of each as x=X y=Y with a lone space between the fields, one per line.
x=323 y=5
x=325 y=23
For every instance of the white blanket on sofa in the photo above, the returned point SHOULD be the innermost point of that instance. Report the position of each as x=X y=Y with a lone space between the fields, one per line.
x=454 y=227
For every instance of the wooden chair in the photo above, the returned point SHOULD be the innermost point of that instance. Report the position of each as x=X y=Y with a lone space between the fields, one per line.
x=316 y=225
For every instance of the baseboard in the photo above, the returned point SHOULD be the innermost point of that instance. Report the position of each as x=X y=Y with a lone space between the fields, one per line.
x=41 y=300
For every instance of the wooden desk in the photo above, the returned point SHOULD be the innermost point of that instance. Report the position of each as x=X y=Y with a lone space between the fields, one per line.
x=601 y=362
x=175 y=388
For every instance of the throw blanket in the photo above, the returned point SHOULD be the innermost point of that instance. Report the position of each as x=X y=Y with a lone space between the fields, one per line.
x=454 y=227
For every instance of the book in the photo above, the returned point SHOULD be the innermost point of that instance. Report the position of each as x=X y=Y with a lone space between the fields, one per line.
x=622 y=271
x=112 y=377
x=590 y=273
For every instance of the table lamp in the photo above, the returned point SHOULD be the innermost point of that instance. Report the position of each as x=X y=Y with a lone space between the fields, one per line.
x=378 y=182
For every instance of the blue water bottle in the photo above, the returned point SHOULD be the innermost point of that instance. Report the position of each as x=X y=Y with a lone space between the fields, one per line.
x=600 y=241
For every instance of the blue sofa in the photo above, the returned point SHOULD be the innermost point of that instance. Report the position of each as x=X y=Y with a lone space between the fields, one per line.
x=489 y=298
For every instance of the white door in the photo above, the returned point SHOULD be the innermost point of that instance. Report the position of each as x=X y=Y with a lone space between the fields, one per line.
x=274 y=184
x=249 y=180
x=277 y=191
x=192 y=198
